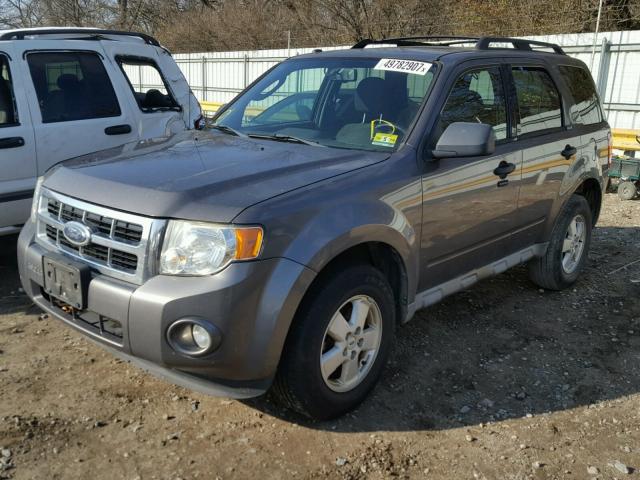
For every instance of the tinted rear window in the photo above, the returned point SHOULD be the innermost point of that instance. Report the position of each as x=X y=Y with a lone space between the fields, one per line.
x=586 y=109
x=72 y=86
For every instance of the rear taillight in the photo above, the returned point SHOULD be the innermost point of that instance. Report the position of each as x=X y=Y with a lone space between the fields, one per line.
x=609 y=149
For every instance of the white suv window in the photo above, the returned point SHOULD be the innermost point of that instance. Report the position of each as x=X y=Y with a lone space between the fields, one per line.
x=72 y=86
x=8 y=111
x=148 y=85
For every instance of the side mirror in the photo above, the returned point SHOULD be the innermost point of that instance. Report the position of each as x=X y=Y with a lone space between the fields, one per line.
x=466 y=139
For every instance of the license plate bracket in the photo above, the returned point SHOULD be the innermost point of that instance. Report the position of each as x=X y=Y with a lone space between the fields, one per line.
x=66 y=280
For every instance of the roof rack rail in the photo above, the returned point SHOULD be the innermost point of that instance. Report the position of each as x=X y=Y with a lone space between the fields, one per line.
x=484 y=43
x=22 y=33
x=481 y=43
x=433 y=40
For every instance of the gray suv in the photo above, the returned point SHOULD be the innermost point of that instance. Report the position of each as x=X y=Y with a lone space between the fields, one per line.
x=338 y=194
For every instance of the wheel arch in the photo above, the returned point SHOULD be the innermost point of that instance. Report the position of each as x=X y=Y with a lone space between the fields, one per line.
x=591 y=189
x=379 y=254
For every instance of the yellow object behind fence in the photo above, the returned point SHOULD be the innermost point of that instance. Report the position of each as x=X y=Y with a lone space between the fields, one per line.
x=626 y=139
x=209 y=108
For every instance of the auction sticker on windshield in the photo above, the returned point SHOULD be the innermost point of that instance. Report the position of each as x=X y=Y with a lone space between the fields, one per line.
x=404 y=66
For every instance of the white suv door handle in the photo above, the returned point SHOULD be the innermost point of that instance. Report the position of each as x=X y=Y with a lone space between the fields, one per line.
x=11 y=142
x=118 y=130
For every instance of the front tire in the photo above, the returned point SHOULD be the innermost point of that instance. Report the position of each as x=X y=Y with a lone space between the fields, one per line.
x=338 y=344
x=568 y=247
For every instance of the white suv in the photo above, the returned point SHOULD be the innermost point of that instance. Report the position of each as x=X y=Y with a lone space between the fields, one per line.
x=66 y=92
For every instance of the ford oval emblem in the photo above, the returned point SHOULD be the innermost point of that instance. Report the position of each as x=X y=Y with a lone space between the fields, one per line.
x=77 y=233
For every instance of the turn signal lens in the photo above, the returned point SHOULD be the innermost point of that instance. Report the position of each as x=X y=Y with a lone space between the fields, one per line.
x=248 y=243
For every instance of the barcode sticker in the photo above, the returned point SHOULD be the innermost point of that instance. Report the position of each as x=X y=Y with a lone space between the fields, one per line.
x=405 y=66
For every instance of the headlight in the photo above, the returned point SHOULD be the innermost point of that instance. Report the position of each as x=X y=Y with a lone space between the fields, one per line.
x=197 y=248
x=36 y=199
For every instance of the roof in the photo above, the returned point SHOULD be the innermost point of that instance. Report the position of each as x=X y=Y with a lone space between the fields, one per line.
x=60 y=33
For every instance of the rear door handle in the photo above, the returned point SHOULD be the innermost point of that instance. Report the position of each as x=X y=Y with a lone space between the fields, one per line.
x=11 y=142
x=504 y=169
x=569 y=152
x=118 y=130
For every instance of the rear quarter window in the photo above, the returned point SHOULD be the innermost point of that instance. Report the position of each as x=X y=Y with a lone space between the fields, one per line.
x=585 y=109
x=149 y=87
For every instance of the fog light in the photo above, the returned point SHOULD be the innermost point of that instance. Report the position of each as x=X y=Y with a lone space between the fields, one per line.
x=201 y=337
x=193 y=336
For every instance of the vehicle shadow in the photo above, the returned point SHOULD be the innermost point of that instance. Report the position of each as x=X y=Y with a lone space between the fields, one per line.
x=505 y=349
x=12 y=298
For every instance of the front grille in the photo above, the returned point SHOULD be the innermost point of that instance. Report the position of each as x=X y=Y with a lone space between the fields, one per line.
x=124 y=260
x=117 y=229
x=119 y=244
x=100 y=225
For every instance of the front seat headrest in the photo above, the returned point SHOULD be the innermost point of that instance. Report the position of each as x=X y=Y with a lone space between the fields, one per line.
x=68 y=81
x=371 y=96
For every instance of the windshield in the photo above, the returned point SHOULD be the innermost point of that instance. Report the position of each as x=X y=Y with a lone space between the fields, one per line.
x=365 y=104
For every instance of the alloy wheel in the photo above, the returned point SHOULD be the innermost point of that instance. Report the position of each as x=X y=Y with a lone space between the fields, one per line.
x=573 y=244
x=351 y=343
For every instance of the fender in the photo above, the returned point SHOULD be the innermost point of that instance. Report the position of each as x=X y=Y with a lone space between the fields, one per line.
x=380 y=203
x=331 y=233
x=566 y=192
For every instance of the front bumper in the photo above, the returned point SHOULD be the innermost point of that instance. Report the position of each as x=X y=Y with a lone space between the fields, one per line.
x=251 y=303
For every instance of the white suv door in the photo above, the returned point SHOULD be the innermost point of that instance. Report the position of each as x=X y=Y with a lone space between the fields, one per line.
x=75 y=103
x=154 y=84
x=17 y=146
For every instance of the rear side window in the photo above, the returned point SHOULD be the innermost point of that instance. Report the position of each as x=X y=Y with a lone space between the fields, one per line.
x=8 y=111
x=539 y=102
x=477 y=96
x=586 y=107
x=147 y=84
x=72 y=86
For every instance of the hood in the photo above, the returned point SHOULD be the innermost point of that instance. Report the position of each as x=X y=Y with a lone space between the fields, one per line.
x=208 y=176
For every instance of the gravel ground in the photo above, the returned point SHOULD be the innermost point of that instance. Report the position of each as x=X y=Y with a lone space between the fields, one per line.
x=503 y=381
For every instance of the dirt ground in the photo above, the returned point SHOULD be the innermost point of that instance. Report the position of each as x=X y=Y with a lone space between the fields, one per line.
x=503 y=381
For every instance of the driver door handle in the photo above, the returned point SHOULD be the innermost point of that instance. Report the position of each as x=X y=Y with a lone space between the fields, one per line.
x=504 y=169
x=11 y=142
x=569 y=152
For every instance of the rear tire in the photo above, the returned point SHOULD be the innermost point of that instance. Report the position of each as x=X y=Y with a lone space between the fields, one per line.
x=568 y=247
x=627 y=190
x=328 y=366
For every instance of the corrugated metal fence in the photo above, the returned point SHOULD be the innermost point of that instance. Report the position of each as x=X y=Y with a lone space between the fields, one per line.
x=615 y=65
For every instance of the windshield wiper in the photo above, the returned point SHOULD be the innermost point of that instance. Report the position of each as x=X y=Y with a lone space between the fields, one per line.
x=284 y=138
x=226 y=129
